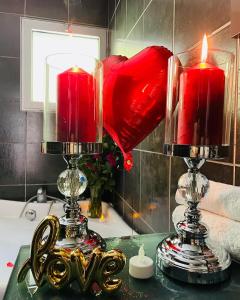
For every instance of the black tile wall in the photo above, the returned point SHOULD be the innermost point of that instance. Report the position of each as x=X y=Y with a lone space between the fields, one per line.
x=34 y=127
x=12 y=6
x=10 y=192
x=132 y=183
x=111 y=9
x=134 y=10
x=195 y=18
x=158 y=23
x=23 y=168
x=9 y=35
x=38 y=165
x=12 y=122
x=12 y=163
x=89 y=11
x=154 y=207
x=148 y=199
x=54 y=9
x=9 y=78
x=121 y=20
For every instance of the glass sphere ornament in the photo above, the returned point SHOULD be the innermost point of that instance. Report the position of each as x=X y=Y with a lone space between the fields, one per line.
x=191 y=192
x=72 y=183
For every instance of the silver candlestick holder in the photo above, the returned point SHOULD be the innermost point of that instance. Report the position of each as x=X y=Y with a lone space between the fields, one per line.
x=72 y=127
x=72 y=182
x=198 y=122
x=186 y=255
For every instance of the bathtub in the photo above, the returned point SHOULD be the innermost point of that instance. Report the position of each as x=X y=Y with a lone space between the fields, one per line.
x=16 y=231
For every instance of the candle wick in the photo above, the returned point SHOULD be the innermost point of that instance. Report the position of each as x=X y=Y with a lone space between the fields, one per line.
x=141 y=251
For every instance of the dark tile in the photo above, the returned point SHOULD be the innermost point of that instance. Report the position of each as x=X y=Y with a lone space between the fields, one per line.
x=12 y=6
x=12 y=164
x=133 y=219
x=43 y=168
x=218 y=172
x=132 y=183
x=121 y=20
x=128 y=214
x=34 y=127
x=193 y=20
x=120 y=182
x=93 y=12
x=9 y=78
x=134 y=10
x=54 y=9
x=12 y=192
x=52 y=190
x=111 y=10
x=135 y=35
x=155 y=190
x=237 y=176
x=9 y=35
x=238 y=133
x=118 y=204
x=12 y=122
x=155 y=140
x=158 y=23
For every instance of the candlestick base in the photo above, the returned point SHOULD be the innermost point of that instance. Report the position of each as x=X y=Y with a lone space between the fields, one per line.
x=187 y=256
x=192 y=263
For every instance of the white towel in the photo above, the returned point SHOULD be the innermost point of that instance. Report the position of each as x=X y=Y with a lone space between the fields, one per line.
x=221 y=199
x=222 y=231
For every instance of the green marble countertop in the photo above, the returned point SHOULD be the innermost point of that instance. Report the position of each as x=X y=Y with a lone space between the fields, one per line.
x=158 y=287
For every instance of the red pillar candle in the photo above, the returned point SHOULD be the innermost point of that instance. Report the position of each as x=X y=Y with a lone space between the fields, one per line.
x=201 y=105
x=76 y=118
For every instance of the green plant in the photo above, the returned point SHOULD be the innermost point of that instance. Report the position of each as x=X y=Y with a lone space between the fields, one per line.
x=100 y=169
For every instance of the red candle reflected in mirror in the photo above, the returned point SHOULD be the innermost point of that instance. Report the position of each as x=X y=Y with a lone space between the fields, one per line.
x=201 y=103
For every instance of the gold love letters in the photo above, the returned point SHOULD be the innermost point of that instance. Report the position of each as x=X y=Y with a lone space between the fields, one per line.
x=61 y=266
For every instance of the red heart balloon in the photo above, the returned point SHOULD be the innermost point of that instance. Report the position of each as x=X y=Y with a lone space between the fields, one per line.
x=134 y=95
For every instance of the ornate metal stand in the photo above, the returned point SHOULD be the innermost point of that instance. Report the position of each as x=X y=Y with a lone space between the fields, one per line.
x=72 y=183
x=187 y=256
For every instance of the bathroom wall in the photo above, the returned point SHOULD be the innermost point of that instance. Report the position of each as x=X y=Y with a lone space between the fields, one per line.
x=145 y=196
x=22 y=167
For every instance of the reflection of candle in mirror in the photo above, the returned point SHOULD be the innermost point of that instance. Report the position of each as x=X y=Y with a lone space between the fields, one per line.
x=75 y=106
x=201 y=102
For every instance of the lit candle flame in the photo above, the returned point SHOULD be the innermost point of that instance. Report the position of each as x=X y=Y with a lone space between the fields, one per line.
x=136 y=215
x=204 y=49
x=75 y=69
x=102 y=218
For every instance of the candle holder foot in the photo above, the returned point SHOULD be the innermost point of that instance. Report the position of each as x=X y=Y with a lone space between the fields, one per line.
x=74 y=232
x=187 y=256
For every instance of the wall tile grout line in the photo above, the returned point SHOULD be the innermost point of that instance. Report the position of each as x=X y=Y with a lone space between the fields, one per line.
x=145 y=9
x=173 y=29
x=169 y=193
x=148 y=151
x=235 y=110
x=213 y=33
x=10 y=57
x=127 y=204
x=25 y=7
x=114 y=13
x=217 y=162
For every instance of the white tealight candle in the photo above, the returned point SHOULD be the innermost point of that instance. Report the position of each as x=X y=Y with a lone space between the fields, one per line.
x=141 y=266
